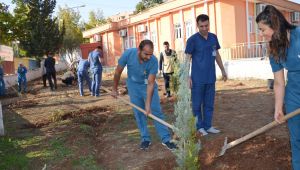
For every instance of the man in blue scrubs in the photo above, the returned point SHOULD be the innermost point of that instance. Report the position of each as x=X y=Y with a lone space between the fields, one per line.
x=96 y=69
x=22 y=81
x=83 y=74
x=2 y=84
x=142 y=67
x=202 y=49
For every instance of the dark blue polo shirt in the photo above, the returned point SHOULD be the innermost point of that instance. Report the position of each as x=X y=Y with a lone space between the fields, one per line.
x=203 y=57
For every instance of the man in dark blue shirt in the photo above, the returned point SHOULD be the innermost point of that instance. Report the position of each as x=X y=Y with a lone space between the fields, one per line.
x=202 y=49
x=50 y=70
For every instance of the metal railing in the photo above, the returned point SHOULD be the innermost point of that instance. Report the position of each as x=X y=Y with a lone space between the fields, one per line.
x=245 y=51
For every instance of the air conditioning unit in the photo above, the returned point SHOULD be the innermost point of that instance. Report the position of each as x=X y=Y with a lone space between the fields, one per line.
x=295 y=16
x=97 y=38
x=123 y=33
x=141 y=28
x=260 y=7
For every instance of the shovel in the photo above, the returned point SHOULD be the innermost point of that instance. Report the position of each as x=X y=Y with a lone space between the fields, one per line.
x=16 y=91
x=142 y=110
x=255 y=133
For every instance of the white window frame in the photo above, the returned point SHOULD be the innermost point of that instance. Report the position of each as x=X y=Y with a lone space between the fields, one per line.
x=178 y=31
x=188 y=29
x=132 y=42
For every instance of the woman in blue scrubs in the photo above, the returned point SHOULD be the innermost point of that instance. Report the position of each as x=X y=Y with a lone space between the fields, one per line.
x=284 y=47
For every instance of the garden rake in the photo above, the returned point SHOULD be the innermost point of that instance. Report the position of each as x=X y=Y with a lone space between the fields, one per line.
x=142 y=110
x=255 y=133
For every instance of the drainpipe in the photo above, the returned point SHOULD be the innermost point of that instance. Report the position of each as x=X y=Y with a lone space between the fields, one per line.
x=157 y=34
x=247 y=20
x=194 y=25
x=182 y=29
x=128 y=42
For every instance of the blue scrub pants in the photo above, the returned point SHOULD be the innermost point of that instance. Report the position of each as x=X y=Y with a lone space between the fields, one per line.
x=138 y=95
x=2 y=87
x=294 y=128
x=96 y=83
x=83 y=75
x=203 y=98
x=22 y=82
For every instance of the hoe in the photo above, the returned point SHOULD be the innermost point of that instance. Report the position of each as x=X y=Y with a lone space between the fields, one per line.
x=255 y=133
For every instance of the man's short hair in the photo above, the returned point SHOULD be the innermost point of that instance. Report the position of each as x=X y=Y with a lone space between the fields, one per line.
x=144 y=43
x=99 y=47
x=166 y=43
x=202 y=18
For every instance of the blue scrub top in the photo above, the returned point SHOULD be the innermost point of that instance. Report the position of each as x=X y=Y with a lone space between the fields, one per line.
x=137 y=72
x=203 y=53
x=292 y=64
x=83 y=65
x=94 y=60
x=1 y=73
x=22 y=72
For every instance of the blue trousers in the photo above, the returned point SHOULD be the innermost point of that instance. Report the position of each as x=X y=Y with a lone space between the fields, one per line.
x=22 y=82
x=294 y=129
x=96 y=83
x=138 y=95
x=83 y=75
x=2 y=87
x=203 y=98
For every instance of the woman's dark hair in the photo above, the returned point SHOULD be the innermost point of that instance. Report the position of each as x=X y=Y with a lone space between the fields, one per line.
x=144 y=43
x=276 y=21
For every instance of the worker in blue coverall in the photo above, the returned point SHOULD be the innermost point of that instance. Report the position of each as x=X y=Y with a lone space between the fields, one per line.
x=202 y=49
x=82 y=73
x=284 y=44
x=22 y=81
x=2 y=84
x=142 y=67
x=96 y=69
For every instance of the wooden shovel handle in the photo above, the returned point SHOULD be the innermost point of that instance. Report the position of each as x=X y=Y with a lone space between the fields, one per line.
x=142 y=110
x=262 y=129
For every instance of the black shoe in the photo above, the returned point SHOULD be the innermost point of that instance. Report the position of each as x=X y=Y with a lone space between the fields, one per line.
x=170 y=145
x=145 y=145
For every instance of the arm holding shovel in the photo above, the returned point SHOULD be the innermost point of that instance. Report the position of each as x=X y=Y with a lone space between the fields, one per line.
x=279 y=87
x=117 y=76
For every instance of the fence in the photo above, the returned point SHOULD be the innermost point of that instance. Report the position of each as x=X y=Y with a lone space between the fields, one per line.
x=245 y=51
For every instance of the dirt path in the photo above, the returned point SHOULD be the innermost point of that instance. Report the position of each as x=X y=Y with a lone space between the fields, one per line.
x=61 y=130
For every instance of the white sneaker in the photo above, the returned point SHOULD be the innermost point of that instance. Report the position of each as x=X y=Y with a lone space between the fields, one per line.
x=213 y=130
x=202 y=131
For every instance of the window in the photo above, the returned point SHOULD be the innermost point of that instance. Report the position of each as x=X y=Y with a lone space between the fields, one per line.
x=145 y=36
x=126 y=43
x=250 y=24
x=178 y=33
x=153 y=37
x=188 y=29
x=132 y=41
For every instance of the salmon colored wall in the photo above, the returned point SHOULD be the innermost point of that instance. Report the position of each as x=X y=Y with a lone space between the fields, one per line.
x=211 y=14
x=199 y=9
x=165 y=31
x=187 y=15
x=233 y=23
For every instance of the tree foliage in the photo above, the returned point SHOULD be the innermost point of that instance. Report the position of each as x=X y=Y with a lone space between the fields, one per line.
x=5 y=25
x=41 y=32
x=188 y=146
x=145 y=4
x=73 y=34
x=96 y=18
